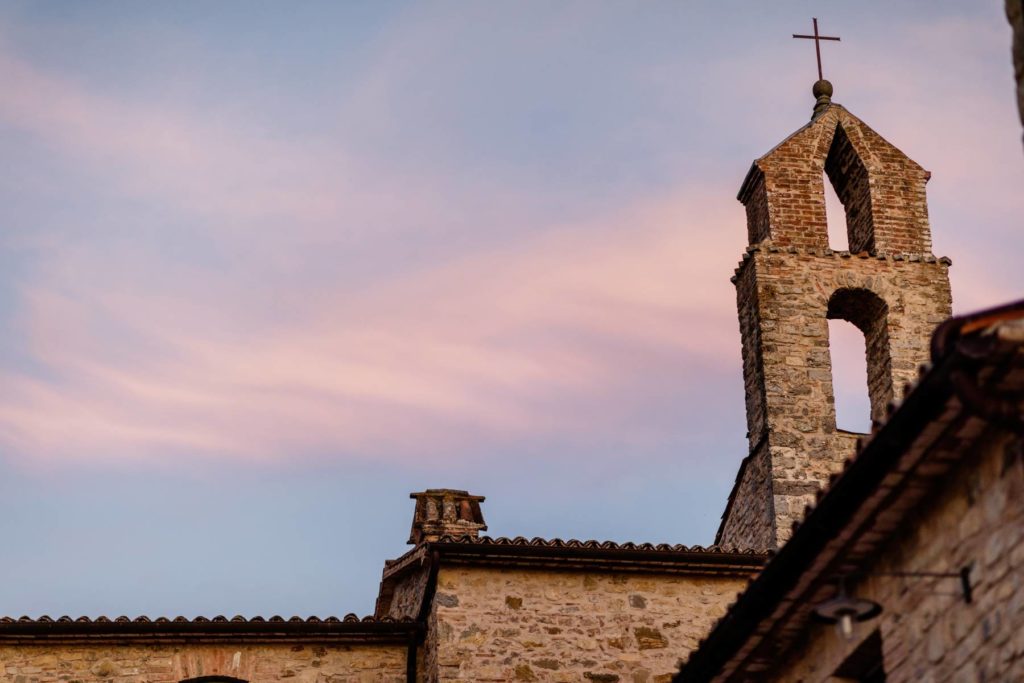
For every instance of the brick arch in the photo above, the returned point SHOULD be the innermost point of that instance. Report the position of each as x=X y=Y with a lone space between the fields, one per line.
x=869 y=313
x=848 y=174
x=213 y=679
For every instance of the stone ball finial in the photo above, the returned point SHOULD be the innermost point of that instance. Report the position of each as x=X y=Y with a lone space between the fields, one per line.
x=822 y=88
x=822 y=91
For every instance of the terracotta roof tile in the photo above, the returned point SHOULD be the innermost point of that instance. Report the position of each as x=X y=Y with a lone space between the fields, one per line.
x=520 y=541
x=219 y=619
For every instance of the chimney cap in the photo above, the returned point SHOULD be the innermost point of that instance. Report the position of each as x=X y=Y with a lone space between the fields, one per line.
x=447 y=492
x=445 y=512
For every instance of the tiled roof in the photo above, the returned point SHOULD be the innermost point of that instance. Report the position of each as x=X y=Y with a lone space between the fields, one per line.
x=347 y=619
x=347 y=629
x=573 y=543
x=540 y=553
x=624 y=553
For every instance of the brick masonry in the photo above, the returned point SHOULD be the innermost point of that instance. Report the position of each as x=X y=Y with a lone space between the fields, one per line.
x=532 y=625
x=790 y=283
x=170 y=664
x=929 y=633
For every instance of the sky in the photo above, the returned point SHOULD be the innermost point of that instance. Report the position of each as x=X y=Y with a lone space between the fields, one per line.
x=267 y=268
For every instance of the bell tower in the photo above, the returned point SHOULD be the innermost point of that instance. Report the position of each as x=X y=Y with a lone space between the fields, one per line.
x=790 y=283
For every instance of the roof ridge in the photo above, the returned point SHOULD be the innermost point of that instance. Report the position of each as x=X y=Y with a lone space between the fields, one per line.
x=538 y=542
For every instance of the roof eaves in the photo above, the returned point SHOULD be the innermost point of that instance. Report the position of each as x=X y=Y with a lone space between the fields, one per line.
x=596 y=555
x=349 y=628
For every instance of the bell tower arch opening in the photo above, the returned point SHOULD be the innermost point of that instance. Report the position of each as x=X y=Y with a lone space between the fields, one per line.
x=847 y=174
x=846 y=350
x=835 y=216
x=867 y=313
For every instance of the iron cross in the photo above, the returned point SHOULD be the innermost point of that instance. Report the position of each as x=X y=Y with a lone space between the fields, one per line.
x=817 y=44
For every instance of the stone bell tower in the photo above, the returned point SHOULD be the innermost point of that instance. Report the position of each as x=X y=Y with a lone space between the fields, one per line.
x=790 y=283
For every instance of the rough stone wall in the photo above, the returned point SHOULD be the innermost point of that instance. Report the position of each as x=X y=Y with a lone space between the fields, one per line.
x=787 y=366
x=751 y=517
x=532 y=625
x=407 y=598
x=795 y=290
x=795 y=486
x=36 y=663
x=431 y=651
x=928 y=632
x=751 y=323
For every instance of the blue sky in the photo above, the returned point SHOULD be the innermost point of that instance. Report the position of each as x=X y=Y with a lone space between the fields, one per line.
x=266 y=268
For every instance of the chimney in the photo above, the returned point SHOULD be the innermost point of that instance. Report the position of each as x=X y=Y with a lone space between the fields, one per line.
x=445 y=512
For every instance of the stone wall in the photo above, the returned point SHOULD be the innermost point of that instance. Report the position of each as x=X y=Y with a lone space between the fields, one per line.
x=750 y=517
x=407 y=598
x=747 y=300
x=795 y=290
x=928 y=631
x=785 y=297
x=36 y=663
x=535 y=625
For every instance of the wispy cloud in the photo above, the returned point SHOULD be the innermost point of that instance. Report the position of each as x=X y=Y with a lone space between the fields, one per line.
x=365 y=301
x=483 y=344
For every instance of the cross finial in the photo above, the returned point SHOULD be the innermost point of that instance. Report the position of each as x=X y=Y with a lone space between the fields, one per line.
x=817 y=44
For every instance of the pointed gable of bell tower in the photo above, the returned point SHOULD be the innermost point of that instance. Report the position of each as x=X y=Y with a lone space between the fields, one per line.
x=790 y=283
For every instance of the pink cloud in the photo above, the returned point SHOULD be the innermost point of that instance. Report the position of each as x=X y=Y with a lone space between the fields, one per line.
x=139 y=365
x=480 y=345
x=214 y=164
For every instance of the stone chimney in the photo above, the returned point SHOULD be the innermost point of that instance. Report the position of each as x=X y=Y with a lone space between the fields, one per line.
x=445 y=512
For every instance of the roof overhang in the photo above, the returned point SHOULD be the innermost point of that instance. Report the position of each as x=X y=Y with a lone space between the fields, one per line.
x=142 y=630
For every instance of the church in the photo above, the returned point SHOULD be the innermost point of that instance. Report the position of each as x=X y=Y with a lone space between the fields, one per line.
x=891 y=556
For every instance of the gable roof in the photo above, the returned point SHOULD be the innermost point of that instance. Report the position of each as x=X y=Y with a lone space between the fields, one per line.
x=821 y=128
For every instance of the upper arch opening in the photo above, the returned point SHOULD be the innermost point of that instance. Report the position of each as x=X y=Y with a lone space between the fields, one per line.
x=849 y=176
